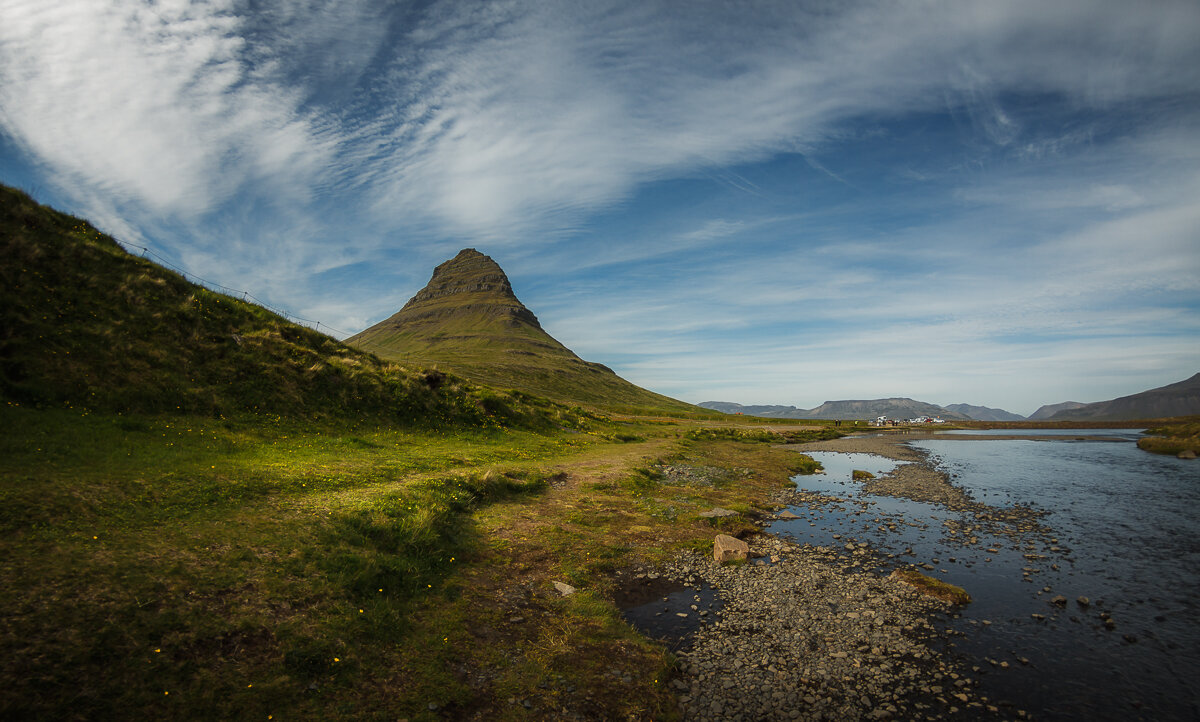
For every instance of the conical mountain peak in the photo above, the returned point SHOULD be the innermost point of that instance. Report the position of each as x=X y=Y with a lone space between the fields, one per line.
x=470 y=288
x=468 y=272
x=468 y=320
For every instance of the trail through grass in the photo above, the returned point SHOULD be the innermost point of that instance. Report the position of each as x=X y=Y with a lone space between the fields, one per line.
x=259 y=565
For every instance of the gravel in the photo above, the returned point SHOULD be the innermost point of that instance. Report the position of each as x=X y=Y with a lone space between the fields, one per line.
x=817 y=635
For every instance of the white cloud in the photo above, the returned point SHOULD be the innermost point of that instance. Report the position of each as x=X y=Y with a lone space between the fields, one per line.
x=153 y=103
x=296 y=137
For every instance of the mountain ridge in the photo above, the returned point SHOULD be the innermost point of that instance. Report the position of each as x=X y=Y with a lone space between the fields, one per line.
x=855 y=409
x=1181 y=398
x=984 y=413
x=1045 y=412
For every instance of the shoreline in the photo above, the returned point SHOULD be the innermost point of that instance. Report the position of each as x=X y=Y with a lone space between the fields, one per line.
x=826 y=632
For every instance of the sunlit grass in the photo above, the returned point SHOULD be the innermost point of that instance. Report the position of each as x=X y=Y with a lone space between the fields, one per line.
x=163 y=564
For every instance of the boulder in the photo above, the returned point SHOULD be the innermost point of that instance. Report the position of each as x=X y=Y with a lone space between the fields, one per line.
x=564 y=589
x=1187 y=454
x=717 y=511
x=788 y=514
x=727 y=548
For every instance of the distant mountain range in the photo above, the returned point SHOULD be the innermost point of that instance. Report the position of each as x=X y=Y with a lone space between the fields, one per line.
x=894 y=408
x=1179 y=399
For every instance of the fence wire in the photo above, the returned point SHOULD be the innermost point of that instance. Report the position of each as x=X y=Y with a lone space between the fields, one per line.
x=235 y=292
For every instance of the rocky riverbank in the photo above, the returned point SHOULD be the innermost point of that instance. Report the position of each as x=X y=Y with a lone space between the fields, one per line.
x=809 y=633
x=827 y=633
x=918 y=480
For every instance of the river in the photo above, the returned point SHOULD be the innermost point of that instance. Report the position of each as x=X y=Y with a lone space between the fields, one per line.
x=1119 y=539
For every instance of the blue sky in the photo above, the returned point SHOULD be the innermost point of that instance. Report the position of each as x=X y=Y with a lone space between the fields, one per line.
x=995 y=203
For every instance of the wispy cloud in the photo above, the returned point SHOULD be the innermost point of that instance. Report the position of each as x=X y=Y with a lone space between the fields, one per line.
x=979 y=153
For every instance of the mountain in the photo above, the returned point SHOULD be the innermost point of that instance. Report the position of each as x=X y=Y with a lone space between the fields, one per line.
x=894 y=408
x=86 y=325
x=1178 y=399
x=1044 y=413
x=769 y=411
x=984 y=413
x=468 y=320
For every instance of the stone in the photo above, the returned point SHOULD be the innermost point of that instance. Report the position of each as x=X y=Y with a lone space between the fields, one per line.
x=564 y=589
x=727 y=548
x=1060 y=601
x=788 y=514
x=717 y=512
x=1187 y=454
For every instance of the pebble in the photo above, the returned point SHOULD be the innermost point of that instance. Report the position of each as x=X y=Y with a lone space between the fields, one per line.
x=806 y=639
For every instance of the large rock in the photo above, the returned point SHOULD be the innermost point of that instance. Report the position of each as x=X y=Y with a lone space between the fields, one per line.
x=717 y=512
x=727 y=548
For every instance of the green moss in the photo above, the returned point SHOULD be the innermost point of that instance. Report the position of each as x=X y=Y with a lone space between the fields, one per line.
x=805 y=464
x=933 y=587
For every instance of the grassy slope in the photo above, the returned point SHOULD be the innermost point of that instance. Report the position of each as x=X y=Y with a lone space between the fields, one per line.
x=87 y=325
x=213 y=569
x=193 y=527
x=483 y=333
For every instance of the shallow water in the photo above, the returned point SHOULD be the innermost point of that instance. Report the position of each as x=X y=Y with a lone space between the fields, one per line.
x=1122 y=531
x=671 y=617
x=1121 y=434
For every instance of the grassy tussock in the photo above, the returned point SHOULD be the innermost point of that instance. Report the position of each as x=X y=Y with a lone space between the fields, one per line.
x=1173 y=438
x=935 y=588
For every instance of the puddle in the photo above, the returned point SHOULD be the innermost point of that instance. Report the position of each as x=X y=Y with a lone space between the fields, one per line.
x=669 y=611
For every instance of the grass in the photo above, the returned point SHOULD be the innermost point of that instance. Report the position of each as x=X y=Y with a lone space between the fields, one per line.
x=1174 y=438
x=89 y=326
x=935 y=588
x=168 y=564
x=207 y=512
x=190 y=566
x=467 y=320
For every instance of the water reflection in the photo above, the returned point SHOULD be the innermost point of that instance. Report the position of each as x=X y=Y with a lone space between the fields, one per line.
x=1121 y=535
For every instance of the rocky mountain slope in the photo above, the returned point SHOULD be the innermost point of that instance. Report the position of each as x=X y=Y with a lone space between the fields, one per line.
x=468 y=320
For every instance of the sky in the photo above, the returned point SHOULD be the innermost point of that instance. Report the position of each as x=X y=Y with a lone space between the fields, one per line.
x=994 y=203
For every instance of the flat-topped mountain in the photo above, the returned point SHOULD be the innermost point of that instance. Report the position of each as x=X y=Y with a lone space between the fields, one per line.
x=1177 y=399
x=468 y=320
x=895 y=408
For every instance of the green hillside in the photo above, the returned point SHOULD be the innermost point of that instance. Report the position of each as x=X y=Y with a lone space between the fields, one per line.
x=88 y=325
x=210 y=513
x=467 y=320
